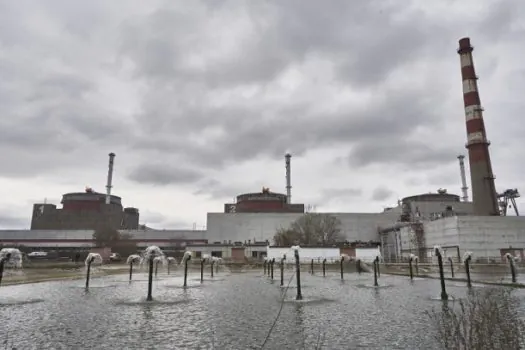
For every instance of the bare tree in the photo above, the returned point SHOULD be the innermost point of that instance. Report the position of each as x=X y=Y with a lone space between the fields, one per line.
x=286 y=237
x=310 y=229
x=488 y=319
x=106 y=236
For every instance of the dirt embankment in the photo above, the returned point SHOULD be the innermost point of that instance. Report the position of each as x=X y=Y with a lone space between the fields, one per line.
x=50 y=271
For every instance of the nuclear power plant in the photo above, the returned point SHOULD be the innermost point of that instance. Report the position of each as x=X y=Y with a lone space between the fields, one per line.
x=88 y=210
x=245 y=227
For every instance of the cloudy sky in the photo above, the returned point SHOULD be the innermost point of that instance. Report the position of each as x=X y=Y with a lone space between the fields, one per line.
x=201 y=99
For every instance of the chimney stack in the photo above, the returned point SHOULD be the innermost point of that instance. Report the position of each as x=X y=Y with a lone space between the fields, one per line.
x=484 y=196
x=287 y=158
x=464 y=188
x=110 y=177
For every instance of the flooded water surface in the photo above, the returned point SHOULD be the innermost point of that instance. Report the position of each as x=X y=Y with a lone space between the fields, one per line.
x=230 y=311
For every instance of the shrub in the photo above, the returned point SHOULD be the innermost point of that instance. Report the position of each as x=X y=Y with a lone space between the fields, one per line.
x=487 y=319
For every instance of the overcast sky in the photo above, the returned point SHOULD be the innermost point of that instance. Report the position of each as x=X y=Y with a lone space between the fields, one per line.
x=201 y=99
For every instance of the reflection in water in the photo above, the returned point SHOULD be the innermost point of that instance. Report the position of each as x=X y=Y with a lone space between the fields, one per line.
x=146 y=311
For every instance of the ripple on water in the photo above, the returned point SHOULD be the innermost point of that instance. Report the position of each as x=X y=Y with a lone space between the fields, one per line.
x=371 y=286
x=450 y=298
x=91 y=286
x=16 y=302
x=234 y=314
x=308 y=300
x=210 y=279
x=474 y=285
x=153 y=302
x=181 y=286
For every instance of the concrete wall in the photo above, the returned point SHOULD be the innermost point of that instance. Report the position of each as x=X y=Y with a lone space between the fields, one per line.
x=431 y=210
x=305 y=254
x=262 y=226
x=226 y=250
x=367 y=254
x=484 y=236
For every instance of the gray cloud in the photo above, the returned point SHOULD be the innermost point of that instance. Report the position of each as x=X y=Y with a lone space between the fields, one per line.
x=412 y=154
x=214 y=189
x=340 y=193
x=286 y=38
x=216 y=83
x=156 y=220
x=381 y=194
x=14 y=222
x=163 y=174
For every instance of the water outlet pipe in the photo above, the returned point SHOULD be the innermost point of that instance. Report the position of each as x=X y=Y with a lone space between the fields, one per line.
x=444 y=295
x=88 y=272
x=2 y=264
x=299 y=295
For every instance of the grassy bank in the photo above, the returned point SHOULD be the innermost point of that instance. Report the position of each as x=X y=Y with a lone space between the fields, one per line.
x=54 y=274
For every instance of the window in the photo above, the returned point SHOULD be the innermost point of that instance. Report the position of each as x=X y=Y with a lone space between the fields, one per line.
x=254 y=254
x=198 y=254
x=217 y=254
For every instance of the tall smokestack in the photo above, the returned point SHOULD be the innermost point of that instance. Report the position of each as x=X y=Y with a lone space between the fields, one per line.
x=110 y=177
x=287 y=159
x=484 y=195
x=464 y=188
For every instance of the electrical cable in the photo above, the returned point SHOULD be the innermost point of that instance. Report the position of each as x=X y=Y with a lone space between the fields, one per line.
x=278 y=314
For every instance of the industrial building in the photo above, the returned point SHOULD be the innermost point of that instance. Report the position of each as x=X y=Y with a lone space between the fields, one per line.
x=87 y=210
x=84 y=211
x=247 y=227
x=83 y=239
x=484 y=228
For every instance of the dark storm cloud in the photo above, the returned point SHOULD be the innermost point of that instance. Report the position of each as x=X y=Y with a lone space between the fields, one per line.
x=381 y=194
x=163 y=174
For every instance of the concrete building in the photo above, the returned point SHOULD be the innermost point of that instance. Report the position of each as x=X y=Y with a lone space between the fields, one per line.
x=488 y=238
x=263 y=202
x=238 y=252
x=432 y=206
x=243 y=252
x=83 y=239
x=224 y=227
x=84 y=211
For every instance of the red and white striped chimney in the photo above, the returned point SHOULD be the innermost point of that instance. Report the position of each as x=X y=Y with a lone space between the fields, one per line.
x=484 y=196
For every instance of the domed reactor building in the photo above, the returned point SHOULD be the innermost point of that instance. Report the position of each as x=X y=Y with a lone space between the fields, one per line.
x=86 y=210
x=266 y=201
x=263 y=202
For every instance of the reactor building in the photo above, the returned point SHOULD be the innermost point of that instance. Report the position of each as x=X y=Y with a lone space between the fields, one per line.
x=86 y=210
x=266 y=201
